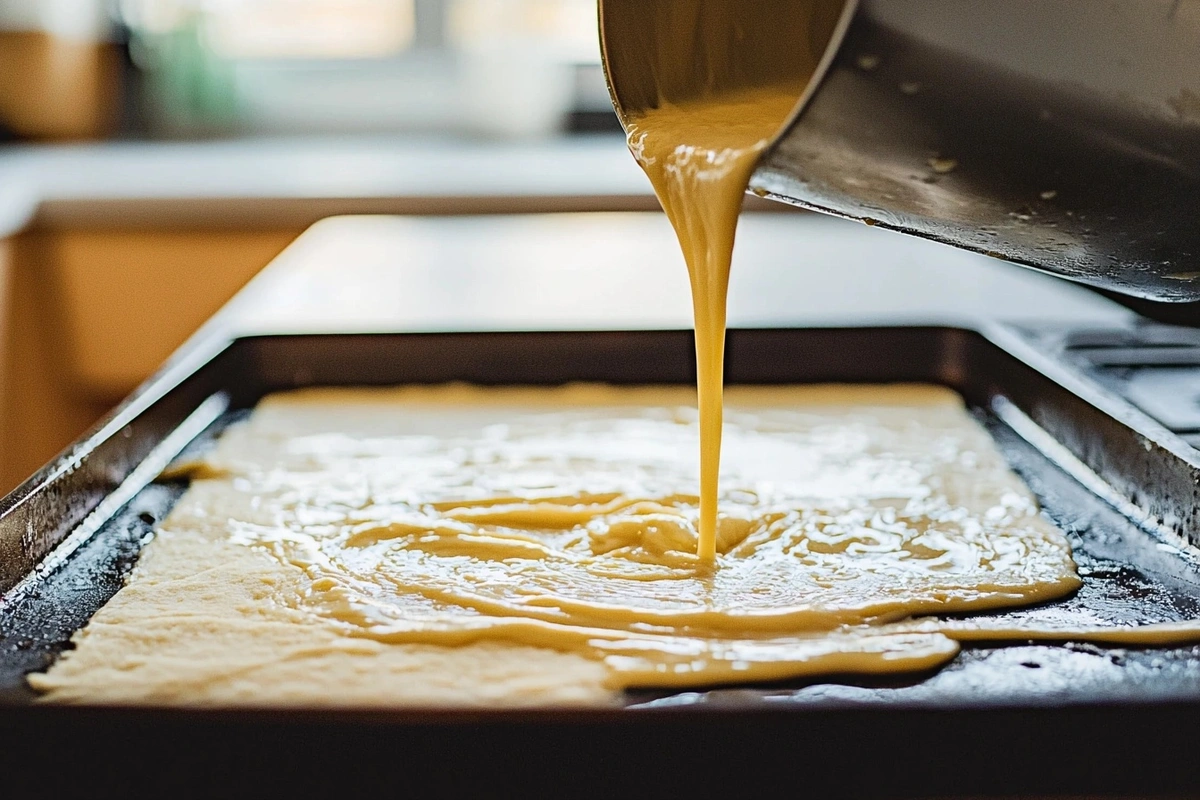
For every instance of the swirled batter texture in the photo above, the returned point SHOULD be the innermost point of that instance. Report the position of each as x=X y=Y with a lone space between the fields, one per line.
x=458 y=545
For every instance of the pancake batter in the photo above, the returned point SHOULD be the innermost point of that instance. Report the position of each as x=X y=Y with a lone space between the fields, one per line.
x=331 y=547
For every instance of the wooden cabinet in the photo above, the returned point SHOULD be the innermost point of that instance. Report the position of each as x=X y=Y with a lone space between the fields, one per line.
x=88 y=314
x=54 y=87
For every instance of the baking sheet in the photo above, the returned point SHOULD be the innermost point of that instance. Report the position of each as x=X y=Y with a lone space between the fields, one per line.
x=1069 y=698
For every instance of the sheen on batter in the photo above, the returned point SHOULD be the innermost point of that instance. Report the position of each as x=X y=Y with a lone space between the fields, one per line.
x=502 y=546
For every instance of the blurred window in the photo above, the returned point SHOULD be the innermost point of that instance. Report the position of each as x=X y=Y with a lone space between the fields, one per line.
x=509 y=68
x=309 y=29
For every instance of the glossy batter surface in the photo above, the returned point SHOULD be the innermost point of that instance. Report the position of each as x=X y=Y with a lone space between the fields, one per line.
x=455 y=545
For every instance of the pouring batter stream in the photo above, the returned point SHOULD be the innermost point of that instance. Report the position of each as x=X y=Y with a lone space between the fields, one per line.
x=699 y=156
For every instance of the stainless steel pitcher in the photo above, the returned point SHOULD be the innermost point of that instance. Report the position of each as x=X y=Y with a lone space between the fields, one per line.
x=1063 y=135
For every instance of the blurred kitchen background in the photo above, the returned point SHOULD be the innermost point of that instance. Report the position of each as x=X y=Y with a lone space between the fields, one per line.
x=156 y=154
x=153 y=69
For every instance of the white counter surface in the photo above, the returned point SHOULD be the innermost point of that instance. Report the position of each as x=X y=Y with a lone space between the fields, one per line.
x=298 y=181
x=625 y=271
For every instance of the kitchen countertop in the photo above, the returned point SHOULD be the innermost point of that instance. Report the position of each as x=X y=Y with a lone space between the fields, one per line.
x=296 y=181
x=624 y=270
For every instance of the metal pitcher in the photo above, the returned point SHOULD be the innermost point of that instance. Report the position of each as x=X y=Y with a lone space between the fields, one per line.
x=1063 y=135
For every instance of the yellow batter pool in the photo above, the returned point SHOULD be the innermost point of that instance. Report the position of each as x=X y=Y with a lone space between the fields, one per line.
x=455 y=545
